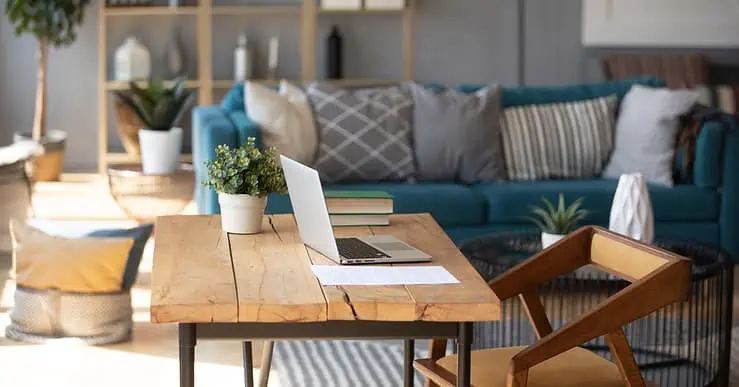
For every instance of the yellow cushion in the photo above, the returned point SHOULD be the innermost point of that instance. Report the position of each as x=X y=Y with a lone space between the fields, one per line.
x=82 y=265
x=575 y=368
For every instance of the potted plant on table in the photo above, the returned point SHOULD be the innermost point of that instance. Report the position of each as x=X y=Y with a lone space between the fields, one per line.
x=53 y=24
x=160 y=108
x=556 y=222
x=243 y=177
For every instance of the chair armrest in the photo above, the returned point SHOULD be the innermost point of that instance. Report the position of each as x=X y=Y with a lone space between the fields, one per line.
x=707 y=168
x=211 y=127
x=565 y=256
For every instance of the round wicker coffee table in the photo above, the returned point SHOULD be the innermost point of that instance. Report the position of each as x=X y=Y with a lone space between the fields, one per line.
x=683 y=345
x=144 y=197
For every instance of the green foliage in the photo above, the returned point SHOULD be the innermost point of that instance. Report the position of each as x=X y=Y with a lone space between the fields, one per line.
x=560 y=220
x=159 y=107
x=246 y=171
x=50 y=21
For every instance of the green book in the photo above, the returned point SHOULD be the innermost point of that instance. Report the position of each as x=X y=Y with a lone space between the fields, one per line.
x=358 y=202
x=330 y=194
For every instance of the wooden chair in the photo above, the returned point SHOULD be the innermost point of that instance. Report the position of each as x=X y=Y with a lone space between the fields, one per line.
x=658 y=278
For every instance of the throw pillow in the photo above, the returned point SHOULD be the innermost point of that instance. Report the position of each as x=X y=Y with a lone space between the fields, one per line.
x=558 y=141
x=140 y=236
x=646 y=133
x=365 y=134
x=457 y=135
x=285 y=119
x=81 y=265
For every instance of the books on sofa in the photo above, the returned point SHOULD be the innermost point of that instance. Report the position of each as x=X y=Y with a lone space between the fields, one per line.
x=358 y=202
x=359 y=208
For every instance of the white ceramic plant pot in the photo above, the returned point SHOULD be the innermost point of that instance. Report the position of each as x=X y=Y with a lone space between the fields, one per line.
x=160 y=150
x=241 y=214
x=548 y=239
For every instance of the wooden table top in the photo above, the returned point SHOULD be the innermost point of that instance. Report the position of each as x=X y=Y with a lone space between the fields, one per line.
x=202 y=274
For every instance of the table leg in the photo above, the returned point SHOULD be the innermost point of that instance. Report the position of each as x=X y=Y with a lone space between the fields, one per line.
x=266 y=365
x=464 y=356
x=187 y=339
x=409 y=352
x=248 y=364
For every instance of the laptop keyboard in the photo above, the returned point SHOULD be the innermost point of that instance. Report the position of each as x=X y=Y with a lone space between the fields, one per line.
x=353 y=248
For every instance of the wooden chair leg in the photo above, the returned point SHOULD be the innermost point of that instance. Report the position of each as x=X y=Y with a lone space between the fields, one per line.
x=266 y=363
x=437 y=350
x=517 y=379
x=624 y=359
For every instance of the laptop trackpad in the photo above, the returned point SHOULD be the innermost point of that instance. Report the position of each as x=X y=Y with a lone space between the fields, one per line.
x=391 y=246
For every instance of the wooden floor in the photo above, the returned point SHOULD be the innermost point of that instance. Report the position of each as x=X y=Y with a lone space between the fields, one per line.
x=150 y=359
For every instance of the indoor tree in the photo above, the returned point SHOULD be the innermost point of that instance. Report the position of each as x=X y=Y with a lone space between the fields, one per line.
x=53 y=23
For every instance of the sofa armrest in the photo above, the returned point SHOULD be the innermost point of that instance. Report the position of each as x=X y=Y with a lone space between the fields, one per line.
x=709 y=149
x=211 y=127
x=245 y=127
x=729 y=215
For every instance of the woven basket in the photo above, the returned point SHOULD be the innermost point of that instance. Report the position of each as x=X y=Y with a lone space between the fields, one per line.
x=129 y=125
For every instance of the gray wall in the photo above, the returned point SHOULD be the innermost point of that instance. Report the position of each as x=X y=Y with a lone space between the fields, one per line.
x=456 y=41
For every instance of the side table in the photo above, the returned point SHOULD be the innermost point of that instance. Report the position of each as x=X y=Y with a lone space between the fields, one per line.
x=683 y=345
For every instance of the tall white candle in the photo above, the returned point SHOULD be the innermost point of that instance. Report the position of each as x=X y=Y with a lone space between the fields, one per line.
x=274 y=47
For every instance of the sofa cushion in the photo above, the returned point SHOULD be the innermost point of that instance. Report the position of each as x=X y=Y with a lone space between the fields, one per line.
x=518 y=96
x=508 y=202
x=450 y=204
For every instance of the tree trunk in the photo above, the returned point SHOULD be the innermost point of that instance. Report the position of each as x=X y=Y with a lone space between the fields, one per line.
x=39 y=118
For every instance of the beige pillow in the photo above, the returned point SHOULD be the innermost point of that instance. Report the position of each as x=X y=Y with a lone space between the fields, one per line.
x=79 y=265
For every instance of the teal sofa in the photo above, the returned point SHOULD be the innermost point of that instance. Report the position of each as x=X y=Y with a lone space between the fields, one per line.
x=706 y=210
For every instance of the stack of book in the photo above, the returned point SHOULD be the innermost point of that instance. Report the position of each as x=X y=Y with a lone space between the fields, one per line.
x=359 y=208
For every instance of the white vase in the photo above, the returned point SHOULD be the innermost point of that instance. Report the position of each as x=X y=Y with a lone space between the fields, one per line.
x=341 y=4
x=241 y=214
x=631 y=212
x=132 y=61
x=160 y=150
x=548 y=239
x=384 y=4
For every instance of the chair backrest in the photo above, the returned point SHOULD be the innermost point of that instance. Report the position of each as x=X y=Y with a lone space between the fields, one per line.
x=658 y=278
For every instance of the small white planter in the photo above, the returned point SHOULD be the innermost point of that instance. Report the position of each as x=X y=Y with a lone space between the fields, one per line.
x=548 y=239
x=160 y=150
x=241 y=214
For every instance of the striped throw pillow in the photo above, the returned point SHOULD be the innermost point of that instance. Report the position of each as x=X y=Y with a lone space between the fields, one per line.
x=558 y=141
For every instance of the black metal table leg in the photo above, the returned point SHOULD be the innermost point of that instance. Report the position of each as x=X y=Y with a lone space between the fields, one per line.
x=248 y=364
x=409 y=351
x=187 y=339
x=464 y=356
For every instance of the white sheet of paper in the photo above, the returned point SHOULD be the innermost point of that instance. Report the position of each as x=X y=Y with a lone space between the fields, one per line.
x=383 y=275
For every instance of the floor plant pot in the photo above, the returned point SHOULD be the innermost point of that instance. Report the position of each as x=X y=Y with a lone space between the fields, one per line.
x=47 y=166
x=241 y=214
x=548 y=239
x=160 y=150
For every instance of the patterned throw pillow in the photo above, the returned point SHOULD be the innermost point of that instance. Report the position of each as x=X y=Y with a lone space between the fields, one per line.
x=563 y=140
x=365 y=134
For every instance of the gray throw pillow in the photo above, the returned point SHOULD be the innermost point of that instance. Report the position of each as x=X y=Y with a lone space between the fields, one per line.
x=646 y=133
x=365 y=134
x=457 y=135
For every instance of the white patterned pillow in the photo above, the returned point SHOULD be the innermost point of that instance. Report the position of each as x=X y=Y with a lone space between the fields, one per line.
x=558 y=141
x=365 y=134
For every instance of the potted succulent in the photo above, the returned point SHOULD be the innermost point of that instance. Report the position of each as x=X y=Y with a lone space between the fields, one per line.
x=53 y=24
x=243 y=177
x=556 y=223
x=160 y=108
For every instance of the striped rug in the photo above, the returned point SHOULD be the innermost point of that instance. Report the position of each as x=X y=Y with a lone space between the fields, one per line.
x=342 y=363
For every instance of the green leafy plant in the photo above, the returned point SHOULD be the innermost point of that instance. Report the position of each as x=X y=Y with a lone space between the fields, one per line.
x=158 y=106
x=560 y=220
x=52 y=23
x=246 y=171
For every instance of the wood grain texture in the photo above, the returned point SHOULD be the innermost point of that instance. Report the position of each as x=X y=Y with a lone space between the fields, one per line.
x=270 y=275
x=192 y=278
x=437 y=350
x=535 y=310
x=624 y=359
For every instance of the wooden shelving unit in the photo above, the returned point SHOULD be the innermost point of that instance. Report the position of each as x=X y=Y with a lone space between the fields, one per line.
x=203 y=14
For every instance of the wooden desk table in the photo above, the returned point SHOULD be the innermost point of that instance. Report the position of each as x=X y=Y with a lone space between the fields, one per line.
x=227 y=286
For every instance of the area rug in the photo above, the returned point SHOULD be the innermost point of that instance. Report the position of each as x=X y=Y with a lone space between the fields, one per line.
x=342 y=363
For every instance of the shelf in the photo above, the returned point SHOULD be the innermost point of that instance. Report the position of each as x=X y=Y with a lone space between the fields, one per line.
x=150 y=11
x=360 y=82
x=228 y=83
x=125 y=158
x=256 y=10
x=360 y=11
x=123 y=85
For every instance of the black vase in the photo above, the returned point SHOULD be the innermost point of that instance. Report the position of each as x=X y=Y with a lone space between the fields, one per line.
x=335 y=57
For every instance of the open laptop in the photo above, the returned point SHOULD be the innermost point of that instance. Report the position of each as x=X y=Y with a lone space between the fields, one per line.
x=314 y=225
